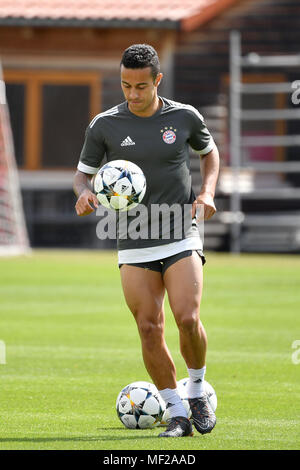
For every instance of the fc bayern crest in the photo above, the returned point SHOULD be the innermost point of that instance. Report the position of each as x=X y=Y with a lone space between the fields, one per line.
x=169 y=136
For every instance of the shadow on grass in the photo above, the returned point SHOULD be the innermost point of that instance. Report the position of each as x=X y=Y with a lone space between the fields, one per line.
x=99 y=438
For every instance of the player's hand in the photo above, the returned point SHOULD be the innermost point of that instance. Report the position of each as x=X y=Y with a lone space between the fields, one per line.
x=83 y=205
x=208 y=208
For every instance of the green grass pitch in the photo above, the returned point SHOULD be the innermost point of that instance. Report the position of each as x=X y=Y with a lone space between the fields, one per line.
x=71 y=345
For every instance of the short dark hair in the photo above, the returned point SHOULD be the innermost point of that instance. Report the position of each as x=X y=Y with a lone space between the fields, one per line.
x=140 y=56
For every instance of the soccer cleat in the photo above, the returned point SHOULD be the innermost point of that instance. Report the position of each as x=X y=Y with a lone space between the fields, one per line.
x=178 y=427
x=204 y=419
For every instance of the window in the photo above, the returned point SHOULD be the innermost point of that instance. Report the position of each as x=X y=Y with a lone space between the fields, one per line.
x=15 y=93
x=49 y=114
x=65 y=116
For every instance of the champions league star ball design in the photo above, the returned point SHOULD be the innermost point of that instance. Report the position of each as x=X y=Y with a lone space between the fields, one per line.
x=139 y=406
x=120 y=185
x=181 y=388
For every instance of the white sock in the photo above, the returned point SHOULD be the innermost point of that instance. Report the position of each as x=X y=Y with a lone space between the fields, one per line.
x=173 y=402
x=195 y=385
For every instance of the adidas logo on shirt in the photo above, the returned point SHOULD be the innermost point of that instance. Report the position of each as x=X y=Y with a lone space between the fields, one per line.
x=127 y=141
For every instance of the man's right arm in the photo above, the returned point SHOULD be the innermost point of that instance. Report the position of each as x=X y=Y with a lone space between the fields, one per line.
x=85 y=196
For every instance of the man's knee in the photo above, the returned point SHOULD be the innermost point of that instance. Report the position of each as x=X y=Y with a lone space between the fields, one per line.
x=188 y=321
x=151 y=332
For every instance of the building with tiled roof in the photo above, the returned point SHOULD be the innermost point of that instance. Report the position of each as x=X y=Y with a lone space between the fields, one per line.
x=51 y=47
x=172 y=14
x=61 y=67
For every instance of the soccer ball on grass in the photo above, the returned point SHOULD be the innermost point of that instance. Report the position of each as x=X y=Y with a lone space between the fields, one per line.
x=120 y=185
x=139 y=406
x=182 y=390
x=208 y=389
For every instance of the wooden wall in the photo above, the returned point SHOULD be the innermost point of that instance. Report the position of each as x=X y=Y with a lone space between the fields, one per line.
x=81 y=49
x=59 y=41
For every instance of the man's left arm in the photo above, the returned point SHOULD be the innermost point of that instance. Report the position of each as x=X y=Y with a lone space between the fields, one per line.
x=209 y=166
x=202 y=142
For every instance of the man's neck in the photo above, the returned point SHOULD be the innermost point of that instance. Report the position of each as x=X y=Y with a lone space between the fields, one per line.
x=152 y=108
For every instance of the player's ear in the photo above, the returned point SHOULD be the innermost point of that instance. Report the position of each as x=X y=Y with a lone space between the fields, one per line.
x=158 y=79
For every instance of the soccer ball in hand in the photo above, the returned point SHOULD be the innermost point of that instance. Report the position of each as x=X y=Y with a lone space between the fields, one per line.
x=139 y=406
x=182 y=391
x=120 y=185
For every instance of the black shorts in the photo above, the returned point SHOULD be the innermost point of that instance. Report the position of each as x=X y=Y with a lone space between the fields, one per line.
x=161 y=265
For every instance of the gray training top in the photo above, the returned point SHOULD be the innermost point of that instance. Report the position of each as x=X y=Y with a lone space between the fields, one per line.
x=159 y=145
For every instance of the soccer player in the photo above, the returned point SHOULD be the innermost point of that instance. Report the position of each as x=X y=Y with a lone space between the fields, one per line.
x=155 y=133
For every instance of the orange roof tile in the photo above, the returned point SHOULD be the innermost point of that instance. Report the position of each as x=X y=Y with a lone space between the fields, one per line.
x=172 y=13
